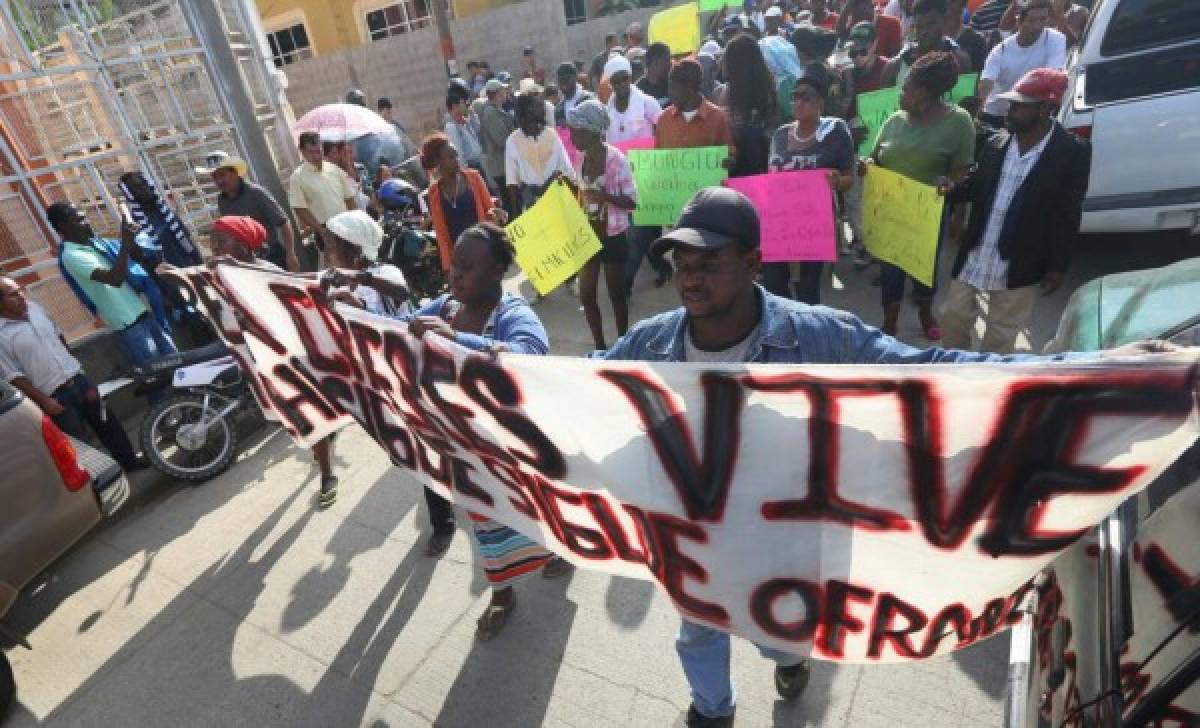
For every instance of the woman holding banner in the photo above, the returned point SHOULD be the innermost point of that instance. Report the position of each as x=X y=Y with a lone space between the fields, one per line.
x=608 y=196
x=479 y=315
x=812 y=141
x=932 y=142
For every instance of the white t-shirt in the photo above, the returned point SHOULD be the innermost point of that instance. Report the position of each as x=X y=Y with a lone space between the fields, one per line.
x=376 y=303
x=638 y=119
x=1009 y=61
x=732 y=355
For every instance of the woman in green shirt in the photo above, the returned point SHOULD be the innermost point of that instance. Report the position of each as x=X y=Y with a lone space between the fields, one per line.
x=932 y=142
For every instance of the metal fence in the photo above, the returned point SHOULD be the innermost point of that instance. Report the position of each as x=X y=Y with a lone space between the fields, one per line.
x=90 y=91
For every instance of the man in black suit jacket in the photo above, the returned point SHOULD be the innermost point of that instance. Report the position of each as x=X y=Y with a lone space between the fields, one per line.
x=1027 y=195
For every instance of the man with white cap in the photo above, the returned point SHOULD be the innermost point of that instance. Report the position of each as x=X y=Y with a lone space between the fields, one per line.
x=1027 y=195
x=632 y=112
x=239 y=196
x=495 y=125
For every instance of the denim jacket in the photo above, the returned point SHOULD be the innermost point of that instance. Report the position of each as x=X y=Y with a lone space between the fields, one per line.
x=791 y=332
x=513 y=323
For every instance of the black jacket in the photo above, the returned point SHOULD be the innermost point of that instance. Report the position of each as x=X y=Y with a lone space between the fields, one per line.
x=1043 y=219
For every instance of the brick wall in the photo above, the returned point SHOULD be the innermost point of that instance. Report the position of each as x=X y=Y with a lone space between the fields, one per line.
x=409 y=69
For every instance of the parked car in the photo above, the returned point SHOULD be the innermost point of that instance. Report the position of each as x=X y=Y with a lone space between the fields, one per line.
x=1135 y=92
x=1112 y=637
x=54 y=490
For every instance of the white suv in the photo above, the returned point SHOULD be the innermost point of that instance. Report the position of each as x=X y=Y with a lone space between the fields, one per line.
x=1135 y=92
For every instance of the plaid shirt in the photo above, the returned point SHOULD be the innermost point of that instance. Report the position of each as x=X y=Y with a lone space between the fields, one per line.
x=985 y=270
x=618 y=180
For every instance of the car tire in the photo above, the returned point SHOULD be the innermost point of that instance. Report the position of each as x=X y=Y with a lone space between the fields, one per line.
x=8 y=687
x=155 y=425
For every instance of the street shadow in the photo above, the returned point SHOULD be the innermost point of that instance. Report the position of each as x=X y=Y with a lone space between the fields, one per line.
x=986 y=663
x=627 y=601
x=508 y=681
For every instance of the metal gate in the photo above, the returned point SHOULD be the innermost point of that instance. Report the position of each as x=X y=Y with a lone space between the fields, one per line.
x=87 y=94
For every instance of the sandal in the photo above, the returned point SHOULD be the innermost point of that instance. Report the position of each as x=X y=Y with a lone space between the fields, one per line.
x=493 y=619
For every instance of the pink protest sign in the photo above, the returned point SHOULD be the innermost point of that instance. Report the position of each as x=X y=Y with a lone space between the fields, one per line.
x=796 y=212
x=639 y=143
x=572 y=153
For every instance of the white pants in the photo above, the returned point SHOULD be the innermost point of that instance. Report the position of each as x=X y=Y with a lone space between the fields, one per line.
x=1006 y=314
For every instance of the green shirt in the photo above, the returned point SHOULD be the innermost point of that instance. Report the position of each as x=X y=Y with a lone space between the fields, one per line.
x=119 y=306
x=928 y=152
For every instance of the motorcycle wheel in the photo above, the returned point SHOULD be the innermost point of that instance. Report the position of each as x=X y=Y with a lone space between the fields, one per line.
x=175 y=451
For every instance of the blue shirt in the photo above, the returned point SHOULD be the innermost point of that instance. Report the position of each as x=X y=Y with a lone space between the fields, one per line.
x=513 y=323
x=791 y=332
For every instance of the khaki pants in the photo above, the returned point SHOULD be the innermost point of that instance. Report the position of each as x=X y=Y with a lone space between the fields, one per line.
x=1006 y=314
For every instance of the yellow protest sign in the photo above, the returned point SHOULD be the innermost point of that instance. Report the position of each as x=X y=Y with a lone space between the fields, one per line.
x=678 y=27
x=901 y=222
x=553 y=239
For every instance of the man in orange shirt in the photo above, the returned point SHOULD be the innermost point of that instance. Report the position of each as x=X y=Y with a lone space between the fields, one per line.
x=691 y=120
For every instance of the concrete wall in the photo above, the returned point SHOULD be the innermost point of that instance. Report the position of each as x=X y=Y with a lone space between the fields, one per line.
x=409 y=69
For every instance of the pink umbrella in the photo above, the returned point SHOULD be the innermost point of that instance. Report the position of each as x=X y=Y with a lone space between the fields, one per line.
x=342 y=122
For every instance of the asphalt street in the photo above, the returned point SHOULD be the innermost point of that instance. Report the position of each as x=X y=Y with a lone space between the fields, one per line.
x=238 y=603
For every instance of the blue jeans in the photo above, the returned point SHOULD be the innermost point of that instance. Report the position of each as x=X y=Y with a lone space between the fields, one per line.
x=80 y=402
x=704 y=653
x=145 y=340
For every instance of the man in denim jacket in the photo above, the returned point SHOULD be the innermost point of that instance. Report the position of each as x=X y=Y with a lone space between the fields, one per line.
x=726 y=317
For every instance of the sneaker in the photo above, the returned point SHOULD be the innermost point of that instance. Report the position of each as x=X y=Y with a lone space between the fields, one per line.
x=328 y=494
x=439 y=543
x=696 y=719
x=790 y=681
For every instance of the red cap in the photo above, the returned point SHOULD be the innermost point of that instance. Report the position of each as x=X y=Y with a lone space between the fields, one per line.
x=1040 y=84
x=244 y=229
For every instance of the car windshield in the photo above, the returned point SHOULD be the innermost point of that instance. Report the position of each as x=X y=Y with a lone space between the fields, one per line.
x=1139 y=24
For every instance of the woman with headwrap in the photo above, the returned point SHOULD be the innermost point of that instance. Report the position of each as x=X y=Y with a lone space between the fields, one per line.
x=533 y=154
x=378 y=287
x=608 y=196
x=932 y=142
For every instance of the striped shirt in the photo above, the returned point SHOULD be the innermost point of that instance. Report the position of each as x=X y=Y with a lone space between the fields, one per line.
x=985 y=269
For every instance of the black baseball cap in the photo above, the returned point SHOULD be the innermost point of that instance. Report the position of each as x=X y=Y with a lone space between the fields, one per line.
x=714 y=218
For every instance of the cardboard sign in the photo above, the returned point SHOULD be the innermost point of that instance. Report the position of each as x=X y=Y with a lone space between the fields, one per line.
x=902 y=221
x=553 y=239
x=629 y=145
x=667 y=178
x=713 y=5
x=795 y=210
x=874 y=107
x=851 y=512
x=678 y=27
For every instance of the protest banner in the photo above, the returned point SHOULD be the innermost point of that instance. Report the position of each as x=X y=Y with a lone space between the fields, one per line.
x=553 y=239
x=629 y=145
x=902 y=221
x=713 y=5
x=874 y=107
x=667 y=178
x=856 y=513
x=795 y=210
x=678 y=27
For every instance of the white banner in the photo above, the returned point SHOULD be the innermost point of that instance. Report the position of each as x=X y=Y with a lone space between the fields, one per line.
x=852 y=513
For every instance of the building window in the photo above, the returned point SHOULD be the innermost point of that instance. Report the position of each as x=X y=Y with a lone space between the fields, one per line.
x=576 y=11
x=289 y=45
x=403 y=17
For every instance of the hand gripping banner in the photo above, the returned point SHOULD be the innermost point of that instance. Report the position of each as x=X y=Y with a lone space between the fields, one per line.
x=852 y=513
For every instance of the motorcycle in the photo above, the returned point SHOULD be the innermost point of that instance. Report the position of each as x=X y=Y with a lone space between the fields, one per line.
x=190 y=433
x=406 y=246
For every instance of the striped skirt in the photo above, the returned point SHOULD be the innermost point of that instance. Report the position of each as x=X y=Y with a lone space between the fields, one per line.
x=507 y=555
